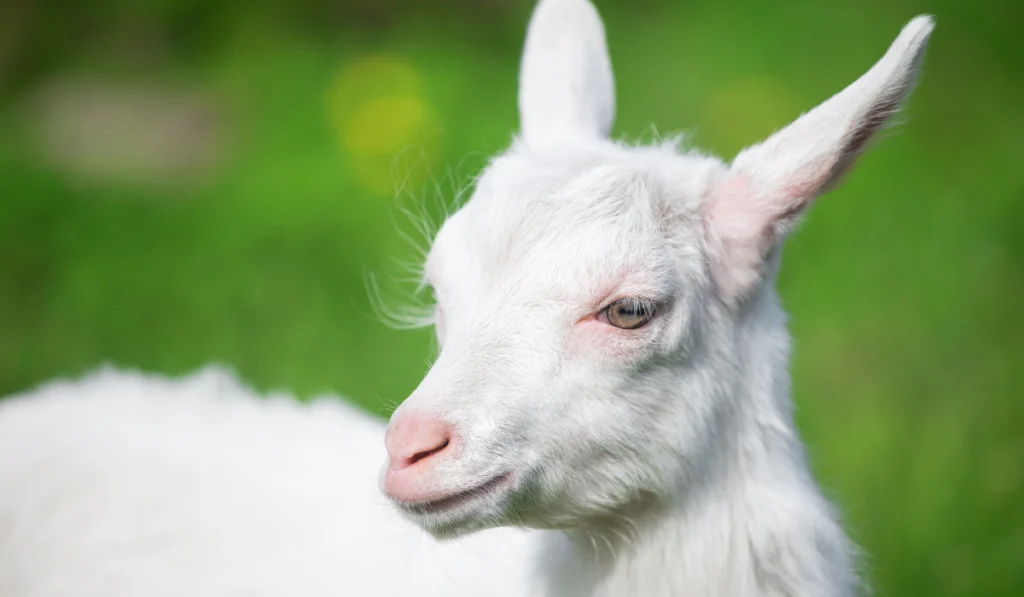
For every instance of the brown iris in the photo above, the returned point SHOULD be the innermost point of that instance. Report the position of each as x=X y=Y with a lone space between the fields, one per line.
x=628 y=313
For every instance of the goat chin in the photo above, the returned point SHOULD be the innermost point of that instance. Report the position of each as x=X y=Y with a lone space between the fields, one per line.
x=124 y=484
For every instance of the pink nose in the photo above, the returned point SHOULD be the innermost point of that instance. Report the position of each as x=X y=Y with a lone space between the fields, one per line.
x=413 y=443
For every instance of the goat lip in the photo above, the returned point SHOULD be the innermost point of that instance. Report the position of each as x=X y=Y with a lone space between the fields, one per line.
x=458 y=498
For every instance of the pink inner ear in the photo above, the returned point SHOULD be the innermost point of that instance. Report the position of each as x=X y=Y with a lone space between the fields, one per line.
x=732 y=212
x=737 y=226
x=743 y=208
x=743 y=220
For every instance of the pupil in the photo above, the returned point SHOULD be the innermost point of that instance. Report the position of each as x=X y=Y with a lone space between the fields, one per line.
x=633 y=309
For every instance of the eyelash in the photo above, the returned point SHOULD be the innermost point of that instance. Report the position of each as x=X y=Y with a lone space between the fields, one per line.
x=640 y=311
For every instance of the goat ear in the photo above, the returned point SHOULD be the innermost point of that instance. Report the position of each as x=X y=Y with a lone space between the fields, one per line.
x=566 y=90
x=752 y=208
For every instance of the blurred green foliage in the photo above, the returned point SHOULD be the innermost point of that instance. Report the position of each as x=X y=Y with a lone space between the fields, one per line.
x=905 y=285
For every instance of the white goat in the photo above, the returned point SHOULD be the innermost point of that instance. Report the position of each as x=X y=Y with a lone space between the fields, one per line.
x=613 y=369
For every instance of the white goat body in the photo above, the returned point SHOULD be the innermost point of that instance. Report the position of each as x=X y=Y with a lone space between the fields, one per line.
x=129 y=485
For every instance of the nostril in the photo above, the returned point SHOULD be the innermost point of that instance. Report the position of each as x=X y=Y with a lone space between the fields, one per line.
x=412 y=439
x=428 y=453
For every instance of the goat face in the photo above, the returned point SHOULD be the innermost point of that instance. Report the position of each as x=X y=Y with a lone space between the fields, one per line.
x=592 y=297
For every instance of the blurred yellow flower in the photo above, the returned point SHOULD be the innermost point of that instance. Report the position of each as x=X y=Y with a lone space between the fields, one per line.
x=378 y=112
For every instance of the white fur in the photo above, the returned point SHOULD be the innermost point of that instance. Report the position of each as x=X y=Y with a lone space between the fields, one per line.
x=127 y=485
x=770 y=184
x=659 y=461
x=566 y=89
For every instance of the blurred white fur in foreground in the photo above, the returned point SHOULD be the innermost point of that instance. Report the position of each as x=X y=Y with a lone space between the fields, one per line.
x=123 y=484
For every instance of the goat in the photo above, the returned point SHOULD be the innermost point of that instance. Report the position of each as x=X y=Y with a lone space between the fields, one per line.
x=614 y=357
x=612 y=374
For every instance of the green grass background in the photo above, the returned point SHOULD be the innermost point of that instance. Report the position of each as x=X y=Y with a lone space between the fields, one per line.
x=905 y=286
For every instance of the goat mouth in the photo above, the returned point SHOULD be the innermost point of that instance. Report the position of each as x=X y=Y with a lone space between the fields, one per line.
x=460 y=498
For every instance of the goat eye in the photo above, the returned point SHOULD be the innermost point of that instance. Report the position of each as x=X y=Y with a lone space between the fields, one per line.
x=628 y=313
